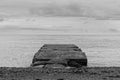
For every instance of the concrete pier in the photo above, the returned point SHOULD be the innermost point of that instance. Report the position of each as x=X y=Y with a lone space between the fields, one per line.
x=59 y=55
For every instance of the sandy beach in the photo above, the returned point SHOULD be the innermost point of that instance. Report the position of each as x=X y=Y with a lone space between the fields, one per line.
x=89 y=73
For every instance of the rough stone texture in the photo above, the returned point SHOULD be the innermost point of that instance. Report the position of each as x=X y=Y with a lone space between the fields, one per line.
x=62 y=54
x=35 y=73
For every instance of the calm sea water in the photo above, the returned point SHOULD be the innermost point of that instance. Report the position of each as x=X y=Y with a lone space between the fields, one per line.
x=17 y=50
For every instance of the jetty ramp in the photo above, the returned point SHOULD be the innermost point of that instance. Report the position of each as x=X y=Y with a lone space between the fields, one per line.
x=59 y=56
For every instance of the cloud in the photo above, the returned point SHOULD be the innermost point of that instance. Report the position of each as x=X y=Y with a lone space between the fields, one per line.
x=99 y=9
x=93 y=9
x=114 y=30
x=58 y=10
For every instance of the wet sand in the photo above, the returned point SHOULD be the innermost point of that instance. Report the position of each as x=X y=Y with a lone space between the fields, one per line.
x=89 y=73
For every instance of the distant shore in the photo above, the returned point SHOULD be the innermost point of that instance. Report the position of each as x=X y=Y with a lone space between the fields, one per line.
x=88 y=73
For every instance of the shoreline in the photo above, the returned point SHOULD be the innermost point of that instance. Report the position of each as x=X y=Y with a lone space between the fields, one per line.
x=36 y=73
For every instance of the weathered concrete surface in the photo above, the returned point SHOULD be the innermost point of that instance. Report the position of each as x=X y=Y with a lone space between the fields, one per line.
x=64 y=54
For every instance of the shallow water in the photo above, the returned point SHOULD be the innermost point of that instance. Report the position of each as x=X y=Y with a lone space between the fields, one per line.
x=17 y=50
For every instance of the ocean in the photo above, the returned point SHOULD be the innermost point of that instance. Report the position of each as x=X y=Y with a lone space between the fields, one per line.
x=17 y=50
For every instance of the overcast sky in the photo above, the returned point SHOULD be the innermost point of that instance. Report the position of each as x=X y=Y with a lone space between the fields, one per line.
x=82 y=8
x=98 y=9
